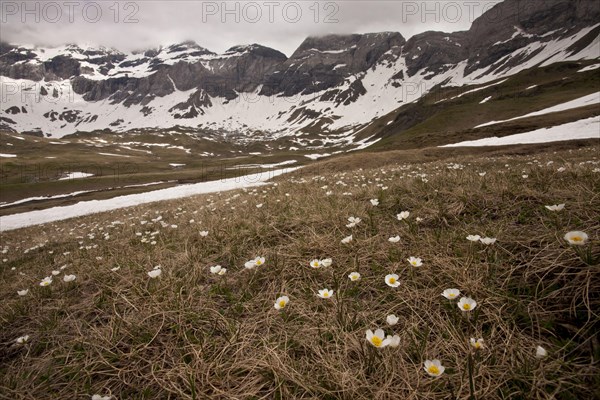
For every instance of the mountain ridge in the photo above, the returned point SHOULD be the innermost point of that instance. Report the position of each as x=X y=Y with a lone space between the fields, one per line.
x=336 y=84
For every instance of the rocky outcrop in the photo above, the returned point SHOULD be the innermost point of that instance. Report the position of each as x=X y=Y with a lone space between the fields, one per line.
x=62 y=67
x=434 y=51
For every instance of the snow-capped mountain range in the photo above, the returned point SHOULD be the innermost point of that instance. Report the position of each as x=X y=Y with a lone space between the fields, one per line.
x=333 y=84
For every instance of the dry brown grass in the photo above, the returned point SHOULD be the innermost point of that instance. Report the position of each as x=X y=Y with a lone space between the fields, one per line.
x=193 y=335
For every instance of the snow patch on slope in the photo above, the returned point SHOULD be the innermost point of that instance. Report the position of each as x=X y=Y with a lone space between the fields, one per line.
x=583 y=129
x=588 y=100
x=75 y=175
x=16 y=221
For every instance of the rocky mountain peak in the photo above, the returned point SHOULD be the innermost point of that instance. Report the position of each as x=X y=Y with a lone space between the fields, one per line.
x=256 y=50
x=338 y=44
x=323 y=62
x=515 y=24
x=187 y=47
x=532 y=17
x=435 y=52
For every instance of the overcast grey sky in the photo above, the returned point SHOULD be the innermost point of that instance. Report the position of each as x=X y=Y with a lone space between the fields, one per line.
x=218 y=25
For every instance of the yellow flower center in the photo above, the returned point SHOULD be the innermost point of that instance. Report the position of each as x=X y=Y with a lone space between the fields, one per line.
x=392 y=280
x=326 y=294
x=576 y=239
x=258 y=262
x=377 y=341
x=477 y=345
x=452 y=295
x=433 y=370
x=466 y=306
x=281 y=303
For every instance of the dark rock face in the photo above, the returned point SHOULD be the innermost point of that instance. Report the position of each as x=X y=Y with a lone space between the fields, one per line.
x=347 y=96
x=5 y=47
x=249 y=66
x=4 y=123
x=62 y=67
x=146 y=89
x=433 y=50
x=13 y=110
x=193 y=106
x=536 y=17
x=14 y=63
x=321 y=63
x=492 y=36
x=117 y=122
x=240 y=69
x=70 y=116
x=101 y=90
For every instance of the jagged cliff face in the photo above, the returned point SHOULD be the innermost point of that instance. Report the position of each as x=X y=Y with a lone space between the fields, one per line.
x=336 y=83
x=322 y=63
x=516 y=25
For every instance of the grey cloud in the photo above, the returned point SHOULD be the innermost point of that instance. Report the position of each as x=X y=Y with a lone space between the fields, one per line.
x=129 y=25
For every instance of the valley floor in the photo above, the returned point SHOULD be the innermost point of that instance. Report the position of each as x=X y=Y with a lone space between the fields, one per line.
x=126 y=304
x=39 y=217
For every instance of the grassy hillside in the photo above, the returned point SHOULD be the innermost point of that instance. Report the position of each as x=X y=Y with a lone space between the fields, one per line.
x=119 y=164
x=191 y=334
x=449 y=115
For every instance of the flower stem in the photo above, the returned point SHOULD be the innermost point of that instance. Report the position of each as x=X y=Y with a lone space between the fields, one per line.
x=471 y=382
